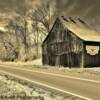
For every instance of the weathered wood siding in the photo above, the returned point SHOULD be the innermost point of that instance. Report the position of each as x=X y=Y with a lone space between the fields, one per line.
x=62 y=47
x=89 y=59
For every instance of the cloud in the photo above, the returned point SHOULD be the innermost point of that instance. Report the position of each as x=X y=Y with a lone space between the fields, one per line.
x=87 y=9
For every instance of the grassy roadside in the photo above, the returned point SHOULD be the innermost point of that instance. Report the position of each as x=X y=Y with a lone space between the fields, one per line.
x=12 y=88
x=89 y=73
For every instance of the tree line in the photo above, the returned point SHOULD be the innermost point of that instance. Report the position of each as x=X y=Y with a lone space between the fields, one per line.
x=26 y=31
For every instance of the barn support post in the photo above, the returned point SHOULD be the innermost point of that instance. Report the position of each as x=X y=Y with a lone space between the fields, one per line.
x=58 y=61
x=82 y=57
x=82 y=61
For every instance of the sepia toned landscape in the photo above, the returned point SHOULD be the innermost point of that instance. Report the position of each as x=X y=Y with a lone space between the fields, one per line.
x=49 y=50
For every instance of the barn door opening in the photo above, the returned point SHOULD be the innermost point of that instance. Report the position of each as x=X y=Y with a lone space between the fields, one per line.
x=70 y=60
x=63 y=60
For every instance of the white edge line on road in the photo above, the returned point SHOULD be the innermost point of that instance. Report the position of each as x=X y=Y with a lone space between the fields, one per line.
x=45 y=85
x=59 y=75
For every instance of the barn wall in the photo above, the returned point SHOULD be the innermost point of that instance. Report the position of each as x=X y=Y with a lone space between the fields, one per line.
x=47 y=56
x=91 y=59
x=70 y=52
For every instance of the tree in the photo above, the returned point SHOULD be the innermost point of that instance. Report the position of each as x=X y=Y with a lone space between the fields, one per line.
x=44 y=14
x=21 y=25
x=18 y=27
x=43 y=17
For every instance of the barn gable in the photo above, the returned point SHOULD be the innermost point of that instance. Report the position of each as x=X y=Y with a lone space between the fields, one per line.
x=54 y=32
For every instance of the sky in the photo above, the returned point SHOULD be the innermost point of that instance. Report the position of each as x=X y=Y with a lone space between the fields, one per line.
x=87 y=9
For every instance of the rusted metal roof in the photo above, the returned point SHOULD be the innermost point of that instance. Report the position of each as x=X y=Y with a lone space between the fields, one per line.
x=81 y=29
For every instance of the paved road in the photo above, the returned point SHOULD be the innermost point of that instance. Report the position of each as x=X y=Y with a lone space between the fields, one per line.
x=80 y=87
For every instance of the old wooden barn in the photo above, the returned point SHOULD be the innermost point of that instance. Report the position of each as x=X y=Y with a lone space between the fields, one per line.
x=71 y=44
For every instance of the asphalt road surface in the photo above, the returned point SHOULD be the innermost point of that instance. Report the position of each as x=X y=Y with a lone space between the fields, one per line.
x=85 y=88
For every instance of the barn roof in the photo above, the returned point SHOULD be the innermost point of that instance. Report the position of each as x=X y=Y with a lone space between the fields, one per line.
x=81 y=29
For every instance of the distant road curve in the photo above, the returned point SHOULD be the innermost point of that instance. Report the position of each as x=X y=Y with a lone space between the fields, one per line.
x=83 y=88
